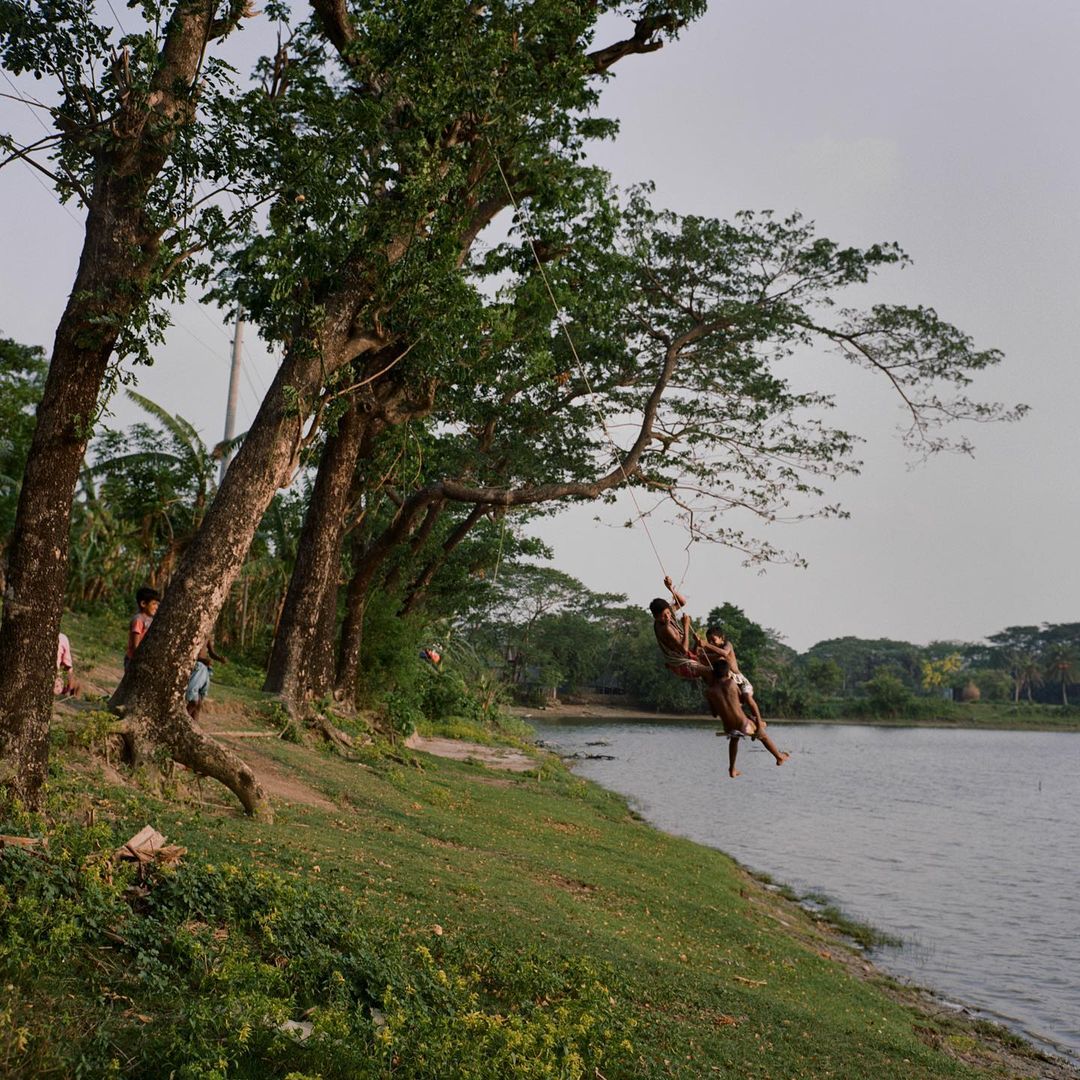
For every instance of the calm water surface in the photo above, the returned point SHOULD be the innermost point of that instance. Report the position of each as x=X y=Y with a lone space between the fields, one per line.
x=964 y=843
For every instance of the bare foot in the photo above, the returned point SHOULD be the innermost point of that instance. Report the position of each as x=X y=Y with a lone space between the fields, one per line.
x=782 y=758
x=735 y=772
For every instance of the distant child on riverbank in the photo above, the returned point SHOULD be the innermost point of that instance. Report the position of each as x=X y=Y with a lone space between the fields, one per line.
x=722 y=694
x=147 y=601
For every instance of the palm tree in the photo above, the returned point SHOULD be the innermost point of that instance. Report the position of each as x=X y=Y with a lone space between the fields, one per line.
x=1025 y=669
x=1029 y=672
x=1060 y=665
x=159 y=478
x=105 y=555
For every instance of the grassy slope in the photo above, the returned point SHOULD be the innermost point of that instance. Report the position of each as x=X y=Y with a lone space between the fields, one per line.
x=718 y=975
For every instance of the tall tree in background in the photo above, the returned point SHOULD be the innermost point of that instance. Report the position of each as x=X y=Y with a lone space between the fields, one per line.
x=123 y=115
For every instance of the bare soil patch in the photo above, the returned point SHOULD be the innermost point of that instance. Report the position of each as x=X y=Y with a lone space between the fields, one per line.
x=277 y=783
x=494 y=757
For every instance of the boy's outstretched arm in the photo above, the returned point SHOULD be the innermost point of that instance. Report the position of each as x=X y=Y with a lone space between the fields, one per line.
x=680 y=600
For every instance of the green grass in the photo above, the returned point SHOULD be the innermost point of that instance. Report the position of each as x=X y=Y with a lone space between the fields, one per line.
x=572 y=941
x=432 y=920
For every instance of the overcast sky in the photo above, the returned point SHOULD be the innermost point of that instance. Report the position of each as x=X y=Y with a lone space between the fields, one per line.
x=947 y=126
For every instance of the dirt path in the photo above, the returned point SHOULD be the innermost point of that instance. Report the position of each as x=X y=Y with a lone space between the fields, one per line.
x=494 y=757
x=280 y=784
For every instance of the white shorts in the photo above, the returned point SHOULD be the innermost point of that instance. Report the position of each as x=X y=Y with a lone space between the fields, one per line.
x=743 y=683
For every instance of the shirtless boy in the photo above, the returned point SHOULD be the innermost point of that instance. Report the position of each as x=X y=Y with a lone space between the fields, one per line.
x=717 y=647
x=673 y=636
x=723 y=697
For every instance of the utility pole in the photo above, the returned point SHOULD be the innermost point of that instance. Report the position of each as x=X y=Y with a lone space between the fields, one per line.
x=234 y=391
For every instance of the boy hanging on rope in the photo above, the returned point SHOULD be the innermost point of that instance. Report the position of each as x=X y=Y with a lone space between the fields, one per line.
x=720 y=688
x=723 y=696
x=673 y=636
x=717 y=647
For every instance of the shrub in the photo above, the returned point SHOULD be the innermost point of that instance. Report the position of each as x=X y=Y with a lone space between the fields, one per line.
x=197 y=974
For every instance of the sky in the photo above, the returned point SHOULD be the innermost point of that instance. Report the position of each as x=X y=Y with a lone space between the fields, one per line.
x=946 y=126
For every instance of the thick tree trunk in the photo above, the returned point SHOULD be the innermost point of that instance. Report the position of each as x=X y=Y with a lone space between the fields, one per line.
x=151 y=689
x=120 y=251
x=318 y=563
x=322 y=649
x=37 y=572
x=367 y=563
x=352 y=626
x=150 y=694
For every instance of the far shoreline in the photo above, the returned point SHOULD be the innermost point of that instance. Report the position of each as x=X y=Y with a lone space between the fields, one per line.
x=566 y=710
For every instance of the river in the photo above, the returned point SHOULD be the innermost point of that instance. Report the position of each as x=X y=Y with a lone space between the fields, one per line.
x=965 y=844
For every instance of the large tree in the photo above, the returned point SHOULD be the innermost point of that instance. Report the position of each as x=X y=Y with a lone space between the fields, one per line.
x=126 y=146
x=386 y=156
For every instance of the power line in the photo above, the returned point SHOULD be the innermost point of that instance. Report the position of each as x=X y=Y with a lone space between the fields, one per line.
x=116 y=17
x=33 y=172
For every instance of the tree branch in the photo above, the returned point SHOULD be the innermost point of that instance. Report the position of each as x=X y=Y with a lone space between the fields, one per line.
x=644 y=40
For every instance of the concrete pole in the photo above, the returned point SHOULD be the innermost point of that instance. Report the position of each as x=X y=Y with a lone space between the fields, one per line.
x=234 y=391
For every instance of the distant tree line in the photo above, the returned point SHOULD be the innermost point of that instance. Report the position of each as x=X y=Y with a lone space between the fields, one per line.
x=548 y=635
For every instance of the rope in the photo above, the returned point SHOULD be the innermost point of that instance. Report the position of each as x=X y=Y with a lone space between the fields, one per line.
x=498 y=558
x=577 y=359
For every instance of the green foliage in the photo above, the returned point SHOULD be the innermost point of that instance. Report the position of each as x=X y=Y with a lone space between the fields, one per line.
x=886 y=694
x=446 y=695
x=824 y=675
x=156 y=480
x=22 y=378
x=858 y=659
x=390 y=668
x=203 y=969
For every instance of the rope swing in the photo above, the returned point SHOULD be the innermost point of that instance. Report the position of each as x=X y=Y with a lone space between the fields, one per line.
x=577 y=359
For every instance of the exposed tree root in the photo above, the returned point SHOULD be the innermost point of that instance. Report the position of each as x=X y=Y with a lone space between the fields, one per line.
x=172 y=729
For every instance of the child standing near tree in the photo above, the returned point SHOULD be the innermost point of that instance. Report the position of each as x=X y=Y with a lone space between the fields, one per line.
x=147 y=601
x=199 y=683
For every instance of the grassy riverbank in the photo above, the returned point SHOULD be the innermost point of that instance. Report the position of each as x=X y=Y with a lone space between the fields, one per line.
x=411 y=916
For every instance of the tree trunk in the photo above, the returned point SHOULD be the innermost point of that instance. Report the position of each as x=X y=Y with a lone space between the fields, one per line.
x=322 y=649
x=120 y=251
x=150 y=692
x=367 y=565
x=318 y=562
x=420 y=586
x=37 y=572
